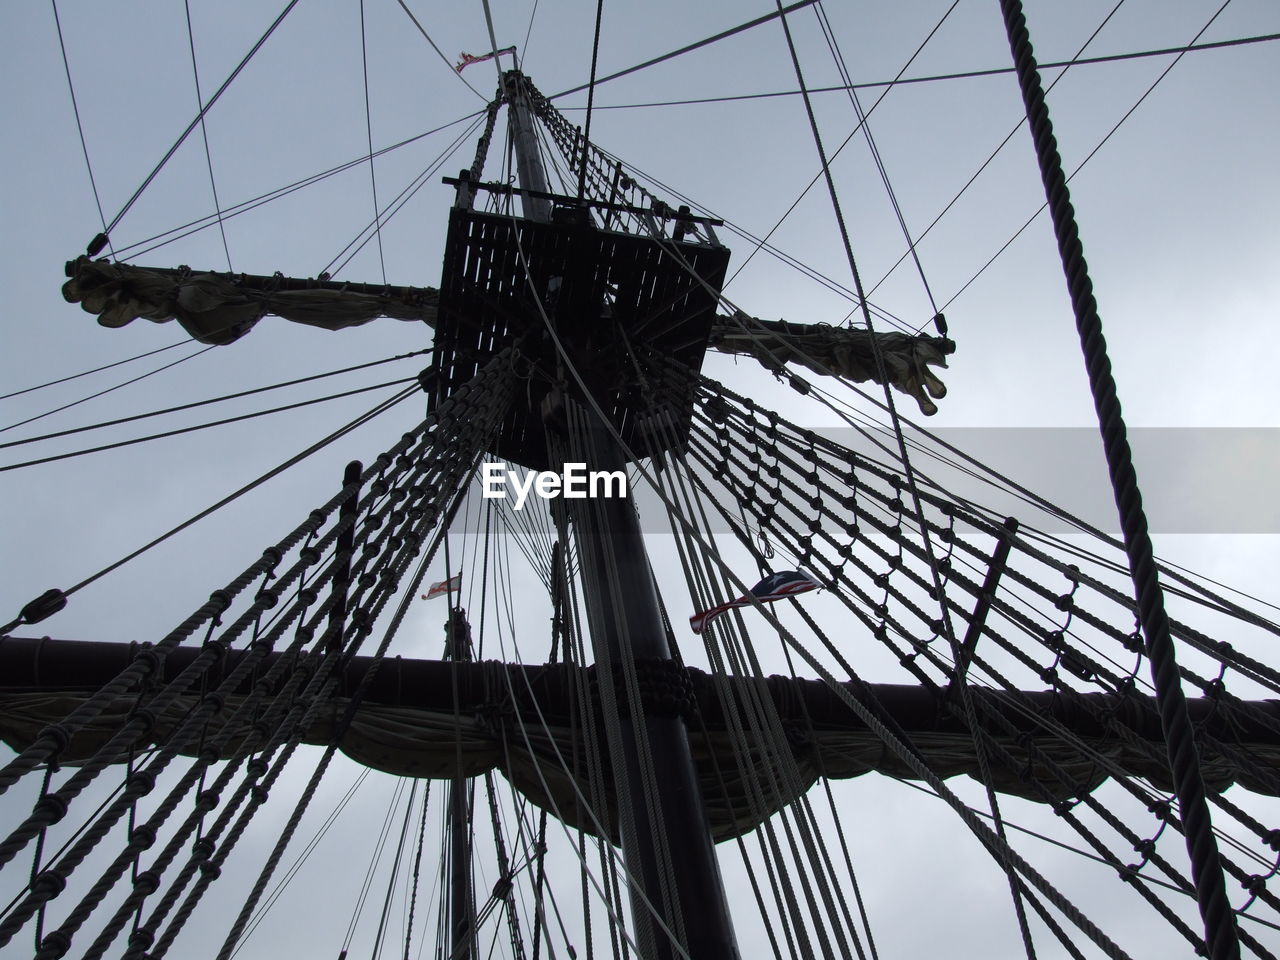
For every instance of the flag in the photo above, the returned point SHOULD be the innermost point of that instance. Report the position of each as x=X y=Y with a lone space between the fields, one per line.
x=467 y=59
x=776 y=586
x=453 y=584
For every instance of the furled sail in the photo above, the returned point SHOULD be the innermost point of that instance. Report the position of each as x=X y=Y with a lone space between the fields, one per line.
x=522 y=720
x=218 y=308
x=848 y=352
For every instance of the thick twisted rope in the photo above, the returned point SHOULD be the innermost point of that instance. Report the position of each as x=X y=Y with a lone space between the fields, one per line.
x=1184 y=762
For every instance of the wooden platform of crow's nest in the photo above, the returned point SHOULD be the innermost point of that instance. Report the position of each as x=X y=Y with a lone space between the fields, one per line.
x=509 y=279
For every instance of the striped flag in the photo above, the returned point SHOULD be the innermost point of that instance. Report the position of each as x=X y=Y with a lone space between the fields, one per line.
x=452 y=585
x=776 y=586
x=467 y=59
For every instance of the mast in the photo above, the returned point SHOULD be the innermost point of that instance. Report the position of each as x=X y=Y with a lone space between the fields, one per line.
x=461 y=893
x=667 y=843
x=647 y=723
x=525 y=140
x=628 y=636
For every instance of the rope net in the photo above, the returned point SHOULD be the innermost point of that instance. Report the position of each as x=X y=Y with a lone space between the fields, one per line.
x=1058 y=710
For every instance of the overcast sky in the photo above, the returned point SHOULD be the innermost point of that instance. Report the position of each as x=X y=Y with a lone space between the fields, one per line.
x=1177 y=212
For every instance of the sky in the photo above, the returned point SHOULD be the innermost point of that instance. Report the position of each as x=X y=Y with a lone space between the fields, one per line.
x=1177 y=211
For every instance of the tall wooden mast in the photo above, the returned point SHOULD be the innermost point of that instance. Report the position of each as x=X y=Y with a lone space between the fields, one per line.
x=677 y=895
x=462 y=913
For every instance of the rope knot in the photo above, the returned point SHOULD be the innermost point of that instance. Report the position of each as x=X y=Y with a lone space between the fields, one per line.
x=141 y=938
x=51 y=808
x=49 y=884
x=59 y=736
x=140 y=783
x=55 y=945
x=207 y=800
x=147 y=882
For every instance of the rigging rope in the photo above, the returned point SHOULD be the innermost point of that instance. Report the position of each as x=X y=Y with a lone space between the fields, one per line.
x=1215 y=908
x=204 y=134
x=1000 y=146
x=100 y=241
x=321 y=832
x=393 y=875
x=1080 y=166
x=280 y=729
x=368 y=126
x=715 y=447
x=591 y=98
x=778 y=764
x=417 y=867
x=978 y=468
x=85 y=373
x=862 y=121
x=998 y=848
x=398 y=203
x=75 y=108
x=204 y=426
x=142 y=782
x=101 y=393
x=1186 y=891
x=641 y=470
x=689 y=48
x=379 y=845
x=938 y=590
x=201 y=403
x=966 y=75
x=757 y=488
x=39 y=608
x=362 y=626
x=528 y=33
x=426 y=36
x=195 y=226
x=838 y=57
